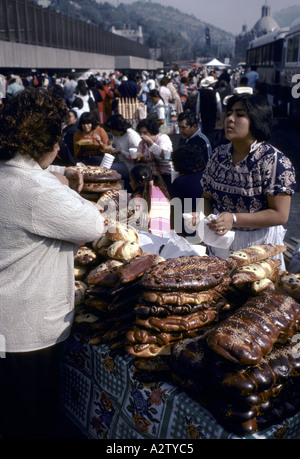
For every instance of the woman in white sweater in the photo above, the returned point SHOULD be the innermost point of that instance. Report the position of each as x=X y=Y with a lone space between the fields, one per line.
x=43 y=220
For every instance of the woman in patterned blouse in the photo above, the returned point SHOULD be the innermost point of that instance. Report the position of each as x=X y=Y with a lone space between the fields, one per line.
x=248 y=183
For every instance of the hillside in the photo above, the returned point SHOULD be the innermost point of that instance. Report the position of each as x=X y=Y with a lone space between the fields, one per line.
x=286 y=16
x=180 y=36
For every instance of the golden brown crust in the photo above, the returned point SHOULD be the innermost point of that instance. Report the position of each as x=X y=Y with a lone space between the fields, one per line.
x=256 y=253
x=251 y=332
x=255 y=271
x=186 y=273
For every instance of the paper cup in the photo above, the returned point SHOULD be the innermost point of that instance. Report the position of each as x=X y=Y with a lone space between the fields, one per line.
x=133 y=153
x=107 y=160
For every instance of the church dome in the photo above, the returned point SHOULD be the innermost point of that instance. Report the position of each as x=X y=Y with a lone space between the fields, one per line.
x=266 y=23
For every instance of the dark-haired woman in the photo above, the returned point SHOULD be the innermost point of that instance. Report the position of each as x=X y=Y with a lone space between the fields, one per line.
x=124 y=138
x=150 y=201
x=155 y=147
x=42 y=223
x=248 y=182
x=90 y=141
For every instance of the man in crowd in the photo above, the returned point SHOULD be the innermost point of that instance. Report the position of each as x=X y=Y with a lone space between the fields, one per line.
x=190 y=132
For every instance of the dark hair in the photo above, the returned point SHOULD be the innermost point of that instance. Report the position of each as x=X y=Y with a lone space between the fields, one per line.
x=142 y=176
x=87 y=118
x=154 y=93
x=164 y=81
x=77 y=102
x=118 y=123
x=259 y=111
x=81 y=88
x=31 y=123
x=74 y=112
x=189 y=116
x=150 y=124
x=188 y=158
x=244 y=80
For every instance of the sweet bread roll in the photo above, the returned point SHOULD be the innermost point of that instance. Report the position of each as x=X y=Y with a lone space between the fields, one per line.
x=104 y=278
x=106 y=266
x=121 y=250
x=255 y=253
x=80 y=289
x=179 y=323
x=192 y=273
x=117 y=231
x=103 y=241
x=80 y=272
x=261 y=285
x=136 y=267
x=255 y=271
x=290 y=284
x=85 y=256
x=139 y=335
x=251 y=332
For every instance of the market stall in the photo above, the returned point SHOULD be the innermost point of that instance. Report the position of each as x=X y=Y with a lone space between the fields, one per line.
x=169 y=343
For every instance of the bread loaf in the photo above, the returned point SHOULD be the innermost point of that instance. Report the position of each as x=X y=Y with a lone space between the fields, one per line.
x=251 y=332
x=256 y=253
x=255 y=271
x=121 y=250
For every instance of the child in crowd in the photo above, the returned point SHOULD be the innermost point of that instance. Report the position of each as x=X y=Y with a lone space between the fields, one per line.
x=150 y=201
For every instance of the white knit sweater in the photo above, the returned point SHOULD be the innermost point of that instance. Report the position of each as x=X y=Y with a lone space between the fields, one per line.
x=41 y=224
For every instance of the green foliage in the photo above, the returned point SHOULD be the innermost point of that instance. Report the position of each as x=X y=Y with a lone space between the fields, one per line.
x=179 y=36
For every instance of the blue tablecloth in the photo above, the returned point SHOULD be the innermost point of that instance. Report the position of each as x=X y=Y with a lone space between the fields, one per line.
x=101 y=397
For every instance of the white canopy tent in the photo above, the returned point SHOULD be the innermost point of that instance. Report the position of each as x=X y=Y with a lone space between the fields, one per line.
x=216 y=63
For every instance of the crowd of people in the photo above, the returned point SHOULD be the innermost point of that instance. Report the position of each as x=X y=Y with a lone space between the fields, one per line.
x=218 y=150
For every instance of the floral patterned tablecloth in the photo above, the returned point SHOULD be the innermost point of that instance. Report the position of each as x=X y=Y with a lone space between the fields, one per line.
x=101 y=397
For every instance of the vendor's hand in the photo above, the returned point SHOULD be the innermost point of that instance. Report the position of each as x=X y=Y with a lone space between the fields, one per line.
x=61 y=177
x=191 y=220
x=222 y=223
x=75 y=179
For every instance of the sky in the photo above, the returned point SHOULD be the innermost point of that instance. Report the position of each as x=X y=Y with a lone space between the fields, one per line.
x=229 y=15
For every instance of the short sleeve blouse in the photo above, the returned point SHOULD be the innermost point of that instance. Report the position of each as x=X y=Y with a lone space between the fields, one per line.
x=244 y=187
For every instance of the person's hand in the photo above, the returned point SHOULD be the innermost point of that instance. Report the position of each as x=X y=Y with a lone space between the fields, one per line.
x=75 y=179
x=222 y=223
x=147 y=139
x=97 y=138
x=61 y=177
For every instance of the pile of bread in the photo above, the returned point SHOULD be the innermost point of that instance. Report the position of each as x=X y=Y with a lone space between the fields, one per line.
x=107 y=274
x=98 y=181
x=246 y=368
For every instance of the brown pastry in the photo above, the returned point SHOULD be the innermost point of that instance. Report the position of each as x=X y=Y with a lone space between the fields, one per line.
x=139 y=335
x=136 y=267
x=148 y=350
x=186 y=273
x=256 y=253
x=261 y=285
x=80 y=289
x=255 y=271
x=290 y=284
x=179 y=323
x=117 y=231
x=85 y=256
x=121 y=250
x=90 y=187
x=104 y=278
x=251 y=332
x=184 y=297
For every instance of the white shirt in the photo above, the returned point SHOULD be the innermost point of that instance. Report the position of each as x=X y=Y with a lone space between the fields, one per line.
x=42 y=222
x=130 y=139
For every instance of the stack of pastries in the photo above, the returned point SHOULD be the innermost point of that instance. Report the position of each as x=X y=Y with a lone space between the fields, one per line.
x=246 y=368
x=97 y=181
x=179 y=298
x=109 y=291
